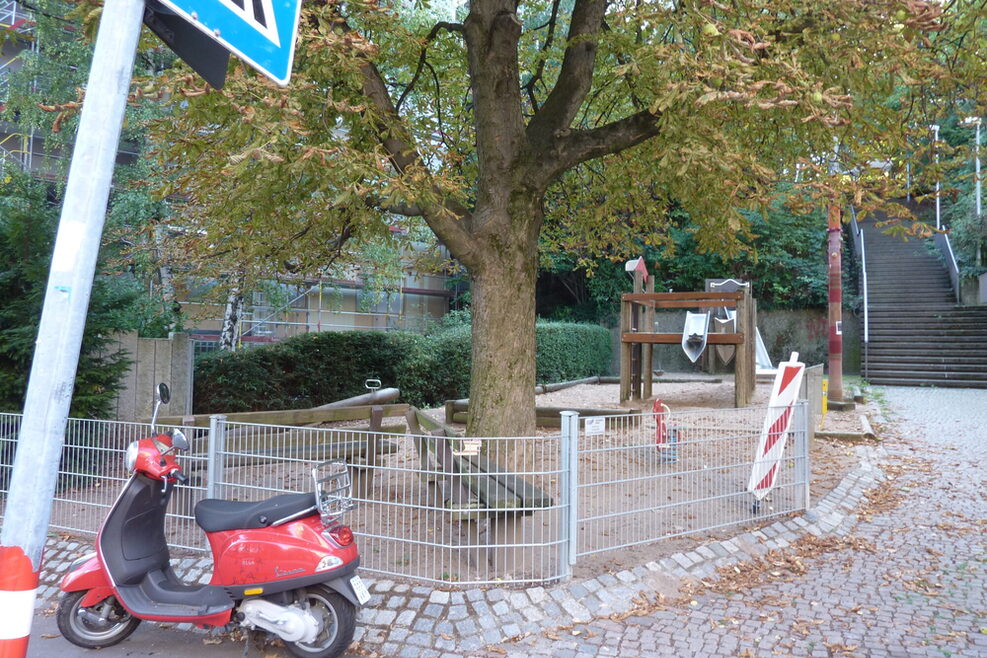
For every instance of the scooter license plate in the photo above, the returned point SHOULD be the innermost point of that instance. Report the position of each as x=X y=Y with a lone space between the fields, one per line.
x=362 y=595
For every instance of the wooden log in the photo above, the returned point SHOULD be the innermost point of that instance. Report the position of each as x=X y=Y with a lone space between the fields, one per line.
x=373 y=397
x=551 y=388
x=868 y=430
x=674 y=339
x=293 y=417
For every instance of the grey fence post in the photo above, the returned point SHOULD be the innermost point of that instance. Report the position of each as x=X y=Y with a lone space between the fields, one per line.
x=215 y=456
x=569 y=490
x=802 y=420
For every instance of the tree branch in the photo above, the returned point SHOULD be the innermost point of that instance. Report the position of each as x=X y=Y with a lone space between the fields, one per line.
x=549 y=39
x=576 y=76
x=447 y=219
x=582 y=145
x=452 y=27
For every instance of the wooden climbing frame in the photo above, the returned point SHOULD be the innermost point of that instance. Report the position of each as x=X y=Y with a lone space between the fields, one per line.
x=637 y=316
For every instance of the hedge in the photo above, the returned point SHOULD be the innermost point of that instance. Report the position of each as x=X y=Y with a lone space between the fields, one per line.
x=317 y=368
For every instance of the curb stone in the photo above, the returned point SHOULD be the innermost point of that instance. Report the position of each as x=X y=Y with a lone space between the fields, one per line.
x=473 y=618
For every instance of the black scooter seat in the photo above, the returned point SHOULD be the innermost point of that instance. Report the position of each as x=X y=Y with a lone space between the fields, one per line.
x=213 y=514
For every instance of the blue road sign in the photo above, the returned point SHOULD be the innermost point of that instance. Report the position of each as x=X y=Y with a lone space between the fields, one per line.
x=260 y=32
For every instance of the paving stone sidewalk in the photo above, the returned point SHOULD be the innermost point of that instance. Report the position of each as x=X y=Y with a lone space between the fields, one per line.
x=912 y=582
x=406 y=620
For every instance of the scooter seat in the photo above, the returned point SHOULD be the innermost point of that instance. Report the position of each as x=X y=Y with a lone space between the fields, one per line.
x=214 y=514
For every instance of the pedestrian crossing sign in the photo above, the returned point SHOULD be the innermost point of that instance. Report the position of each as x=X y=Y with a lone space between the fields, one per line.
x=260 y=32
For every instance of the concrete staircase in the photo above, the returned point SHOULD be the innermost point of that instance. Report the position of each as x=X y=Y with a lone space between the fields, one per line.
x=918 y=334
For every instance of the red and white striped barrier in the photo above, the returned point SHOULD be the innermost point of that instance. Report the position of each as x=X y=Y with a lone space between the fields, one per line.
x=774 y=434
x=661 y=427
x=18 y=587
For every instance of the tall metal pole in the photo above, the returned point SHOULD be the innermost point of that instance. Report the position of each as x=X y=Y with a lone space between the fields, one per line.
x=976 y=121
x=935 y=146
x=835 y=259
x=976 y=157
x=63 y=318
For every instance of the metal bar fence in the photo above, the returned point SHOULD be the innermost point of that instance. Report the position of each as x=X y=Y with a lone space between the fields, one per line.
x=466 y=511
x=639 y=482
x=92 y=472
x=428 y=508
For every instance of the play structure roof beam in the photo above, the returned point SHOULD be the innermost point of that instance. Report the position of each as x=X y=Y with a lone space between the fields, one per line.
x=675 y=339
x=698 y=303
x=663 y=296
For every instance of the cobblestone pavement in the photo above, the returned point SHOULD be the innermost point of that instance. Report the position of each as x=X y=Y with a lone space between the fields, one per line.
x=904 y=576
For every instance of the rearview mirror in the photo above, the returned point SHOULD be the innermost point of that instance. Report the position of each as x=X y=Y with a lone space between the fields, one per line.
x=164 y=393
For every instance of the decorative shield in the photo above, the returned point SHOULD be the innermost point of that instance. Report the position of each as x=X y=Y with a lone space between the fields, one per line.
x=694 y=334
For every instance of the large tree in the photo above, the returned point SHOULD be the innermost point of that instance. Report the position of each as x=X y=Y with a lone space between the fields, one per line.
x=579 y=121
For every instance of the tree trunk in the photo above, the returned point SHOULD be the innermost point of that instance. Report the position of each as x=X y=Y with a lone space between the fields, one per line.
x=231 y=320
x=502 y=380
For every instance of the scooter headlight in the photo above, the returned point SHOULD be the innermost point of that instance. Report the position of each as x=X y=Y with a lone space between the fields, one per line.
x=130 y=460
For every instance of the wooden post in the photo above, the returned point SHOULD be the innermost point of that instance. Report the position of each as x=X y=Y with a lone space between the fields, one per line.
x=625 y=352
x=744 y=361
x=647 y=350
x=637 y=367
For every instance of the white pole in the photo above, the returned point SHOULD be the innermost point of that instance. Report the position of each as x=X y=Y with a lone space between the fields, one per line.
x=935 y=146
x=70 y=280
x=976 y=159
x=976 y=152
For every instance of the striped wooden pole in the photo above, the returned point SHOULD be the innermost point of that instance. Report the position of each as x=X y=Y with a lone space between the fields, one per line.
x=835 y=304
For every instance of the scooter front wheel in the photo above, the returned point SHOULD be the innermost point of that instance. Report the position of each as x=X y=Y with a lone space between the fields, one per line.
x=101 y=625
x=337 y=617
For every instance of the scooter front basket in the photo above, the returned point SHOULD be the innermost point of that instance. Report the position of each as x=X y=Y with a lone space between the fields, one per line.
x=332 y=490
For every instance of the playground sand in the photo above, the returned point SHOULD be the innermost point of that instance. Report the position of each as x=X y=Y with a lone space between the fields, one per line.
x=830 y=461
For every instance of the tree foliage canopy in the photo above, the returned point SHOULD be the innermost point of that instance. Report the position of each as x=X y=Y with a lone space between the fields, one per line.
x=580 y=122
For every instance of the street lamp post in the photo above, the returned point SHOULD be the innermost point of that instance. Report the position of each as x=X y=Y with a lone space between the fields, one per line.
x=935 y=146
x=976 y=121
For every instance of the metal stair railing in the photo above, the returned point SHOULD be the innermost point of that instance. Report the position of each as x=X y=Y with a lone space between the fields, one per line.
x=941 y=240
x=861 y=249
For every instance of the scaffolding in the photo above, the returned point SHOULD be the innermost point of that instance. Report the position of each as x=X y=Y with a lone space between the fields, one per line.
x=16 y=146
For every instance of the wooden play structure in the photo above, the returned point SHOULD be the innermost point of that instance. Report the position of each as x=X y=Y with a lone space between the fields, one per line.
x=637 y=335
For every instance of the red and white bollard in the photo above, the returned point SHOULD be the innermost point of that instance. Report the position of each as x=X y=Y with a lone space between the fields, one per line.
x=18 y=589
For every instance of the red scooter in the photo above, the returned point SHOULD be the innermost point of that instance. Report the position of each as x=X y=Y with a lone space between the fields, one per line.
x=284 y=565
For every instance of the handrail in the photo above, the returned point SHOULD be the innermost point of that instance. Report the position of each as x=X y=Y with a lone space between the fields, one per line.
x=858 y=235
x=941 y=241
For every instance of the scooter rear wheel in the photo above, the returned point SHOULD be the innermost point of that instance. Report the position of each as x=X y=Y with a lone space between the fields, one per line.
x=85 y=627
x=338 y=619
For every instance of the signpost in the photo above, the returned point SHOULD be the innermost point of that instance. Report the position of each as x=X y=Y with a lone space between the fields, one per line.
x=260 y=32
x=263 y=33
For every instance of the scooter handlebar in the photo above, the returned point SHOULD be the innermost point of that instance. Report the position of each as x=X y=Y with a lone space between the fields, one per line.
x=178 y=475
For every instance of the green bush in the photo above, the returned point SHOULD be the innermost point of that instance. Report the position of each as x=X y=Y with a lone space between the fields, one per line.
x=318 y=368
x=569 y=350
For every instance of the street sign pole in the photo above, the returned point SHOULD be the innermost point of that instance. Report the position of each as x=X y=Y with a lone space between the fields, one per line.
x=63 y=318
